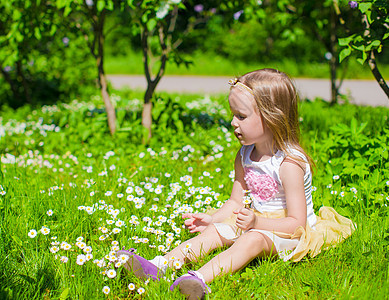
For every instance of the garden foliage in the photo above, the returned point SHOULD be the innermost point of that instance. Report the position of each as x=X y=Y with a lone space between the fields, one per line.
x=41 y=61
x=71 y=194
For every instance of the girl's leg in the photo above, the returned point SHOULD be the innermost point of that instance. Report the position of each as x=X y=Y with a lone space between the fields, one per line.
x=198 y=246
x=248 y=246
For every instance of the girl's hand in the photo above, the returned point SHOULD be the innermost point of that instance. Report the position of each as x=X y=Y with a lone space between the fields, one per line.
x=197 y=222
x=246 y=219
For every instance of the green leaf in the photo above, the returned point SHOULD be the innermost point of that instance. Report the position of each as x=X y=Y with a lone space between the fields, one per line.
x=344 y=53
x=368 y=15
x=385 y=154
x=16 y=15
x=125 y=129
x=361 y=47
x=364 y=6
x=120 y=116
x=53 y=29
x=344 y=211
x=364 y=56
x=361 y=127
x=376 y=43
x=64 y=295
x=361 y=60
x=100 y=5
x=345 y=41
x=63 y=121
x=110 y=5
x=67 y=11
x=18 y=36
x=144 y=17
x=353 y=126
x=37 y=33
x=151 y=24
x=85 y=134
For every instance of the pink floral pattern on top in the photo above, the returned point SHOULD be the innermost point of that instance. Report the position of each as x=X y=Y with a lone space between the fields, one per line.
x=262 y=186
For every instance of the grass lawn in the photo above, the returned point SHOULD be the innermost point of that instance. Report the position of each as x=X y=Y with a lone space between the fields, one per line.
x=212 y=65
x=71 y=195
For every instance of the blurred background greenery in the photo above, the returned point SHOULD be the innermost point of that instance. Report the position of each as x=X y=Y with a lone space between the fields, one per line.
x=50 y=49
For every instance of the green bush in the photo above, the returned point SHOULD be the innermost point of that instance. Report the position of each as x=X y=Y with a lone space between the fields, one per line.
x=61 y=70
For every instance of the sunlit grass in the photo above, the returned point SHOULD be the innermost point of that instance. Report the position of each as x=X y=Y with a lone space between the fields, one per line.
x=68 y=201
x=208 y=64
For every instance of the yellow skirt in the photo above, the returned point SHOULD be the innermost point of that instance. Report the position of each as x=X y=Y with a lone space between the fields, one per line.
x=330 y=229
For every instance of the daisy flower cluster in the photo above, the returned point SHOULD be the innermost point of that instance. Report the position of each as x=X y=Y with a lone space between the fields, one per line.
x=207 y=105
x=133 y=213
x=33 y=233
x=73 y=106
x=110 y=197
x=17 y=128
x=63 y=250
x=164 y=204
x=38 y=162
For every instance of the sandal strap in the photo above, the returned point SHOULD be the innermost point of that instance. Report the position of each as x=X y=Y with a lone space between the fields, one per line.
x=191 y=273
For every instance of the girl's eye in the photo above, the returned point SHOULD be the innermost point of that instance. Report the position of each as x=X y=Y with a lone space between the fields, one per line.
x=240 y=117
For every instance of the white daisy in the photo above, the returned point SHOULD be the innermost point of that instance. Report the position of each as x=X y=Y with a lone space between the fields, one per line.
x=123 y=258
x=81 y=259
x=32 y=233
x=64 y=259
x=111 y=273
x=54 y=249
x=45 y=230
x=106 y=290
x=177 y=265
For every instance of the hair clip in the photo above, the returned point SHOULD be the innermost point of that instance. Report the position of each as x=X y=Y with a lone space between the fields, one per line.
x=232 y=82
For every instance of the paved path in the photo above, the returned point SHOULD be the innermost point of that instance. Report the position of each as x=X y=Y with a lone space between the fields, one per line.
x=361 y=92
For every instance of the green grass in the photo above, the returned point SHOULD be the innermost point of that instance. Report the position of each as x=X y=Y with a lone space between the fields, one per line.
x=204 y=64
x=62 y=158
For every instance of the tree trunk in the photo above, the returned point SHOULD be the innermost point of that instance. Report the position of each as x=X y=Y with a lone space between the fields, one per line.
x=152 y=83
x=372 y=62
x=111 y=115
x=377 y=74
x=147 y=119
x=333 y=60
x=334 y=89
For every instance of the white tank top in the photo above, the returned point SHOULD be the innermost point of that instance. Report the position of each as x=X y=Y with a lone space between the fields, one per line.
x=264 y=182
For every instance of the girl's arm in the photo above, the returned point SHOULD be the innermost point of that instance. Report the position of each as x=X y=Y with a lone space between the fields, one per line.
x=292 y=177
x=236 y=199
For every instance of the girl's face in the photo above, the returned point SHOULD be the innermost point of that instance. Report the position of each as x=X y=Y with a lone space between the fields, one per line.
x=248 y=123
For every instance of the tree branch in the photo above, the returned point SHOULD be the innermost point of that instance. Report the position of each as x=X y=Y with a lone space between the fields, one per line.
x=377 y=74
x=144 y=42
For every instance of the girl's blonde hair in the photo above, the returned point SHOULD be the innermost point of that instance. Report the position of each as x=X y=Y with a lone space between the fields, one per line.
x=277 y=100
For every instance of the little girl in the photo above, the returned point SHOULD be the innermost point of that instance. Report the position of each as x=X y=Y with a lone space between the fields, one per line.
x=272 y=166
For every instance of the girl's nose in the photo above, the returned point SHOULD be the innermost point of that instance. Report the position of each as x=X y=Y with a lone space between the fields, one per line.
x=233 y=122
